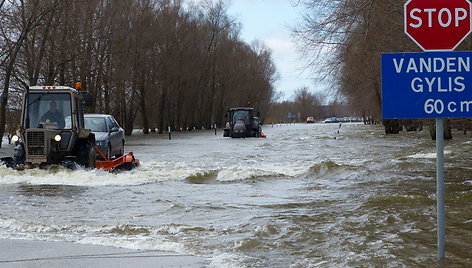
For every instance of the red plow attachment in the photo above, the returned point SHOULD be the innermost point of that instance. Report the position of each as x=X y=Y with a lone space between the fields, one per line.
x=125 y=162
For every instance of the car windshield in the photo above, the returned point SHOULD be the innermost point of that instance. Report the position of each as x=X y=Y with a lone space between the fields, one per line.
x=47 y=110
x=96 y=124
x=240 y=115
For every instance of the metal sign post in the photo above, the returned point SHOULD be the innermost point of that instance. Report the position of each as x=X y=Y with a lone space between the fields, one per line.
x=441 y=224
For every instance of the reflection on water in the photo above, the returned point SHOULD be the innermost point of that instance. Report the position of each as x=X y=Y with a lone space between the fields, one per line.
x=298 y=198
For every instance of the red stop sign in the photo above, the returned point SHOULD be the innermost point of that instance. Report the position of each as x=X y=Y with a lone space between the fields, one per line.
x=437 y=24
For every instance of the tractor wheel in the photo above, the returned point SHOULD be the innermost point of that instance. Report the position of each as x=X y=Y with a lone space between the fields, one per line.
x=69 y=164
x=87 y=156
x=19 y=154
x=92 y=158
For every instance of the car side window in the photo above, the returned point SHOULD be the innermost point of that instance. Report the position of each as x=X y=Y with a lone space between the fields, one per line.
x=109 y=123
x=114 y=122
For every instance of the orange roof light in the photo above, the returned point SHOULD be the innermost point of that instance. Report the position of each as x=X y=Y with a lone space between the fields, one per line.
x=78 y=85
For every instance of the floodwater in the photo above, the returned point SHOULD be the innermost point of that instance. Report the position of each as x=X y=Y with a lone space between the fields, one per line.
x=306 y=196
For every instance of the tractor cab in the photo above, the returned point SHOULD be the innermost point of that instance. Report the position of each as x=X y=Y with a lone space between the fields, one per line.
x=242 y=123
x=52 y=128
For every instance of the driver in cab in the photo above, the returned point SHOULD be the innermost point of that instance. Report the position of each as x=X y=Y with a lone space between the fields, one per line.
x=53 y=117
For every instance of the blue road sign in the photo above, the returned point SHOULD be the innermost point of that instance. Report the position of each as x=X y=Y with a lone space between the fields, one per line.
x=426 y=85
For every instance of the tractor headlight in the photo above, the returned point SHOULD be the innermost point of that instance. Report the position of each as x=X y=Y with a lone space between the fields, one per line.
x=58 y=138
x=15 y=138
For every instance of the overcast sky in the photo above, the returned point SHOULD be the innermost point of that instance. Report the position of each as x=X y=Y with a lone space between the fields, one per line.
x=269 y=22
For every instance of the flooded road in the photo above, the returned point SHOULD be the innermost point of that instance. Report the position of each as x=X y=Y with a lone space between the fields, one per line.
x=306 y=196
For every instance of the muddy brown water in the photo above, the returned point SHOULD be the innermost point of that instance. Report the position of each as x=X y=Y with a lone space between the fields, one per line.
x=306 y=196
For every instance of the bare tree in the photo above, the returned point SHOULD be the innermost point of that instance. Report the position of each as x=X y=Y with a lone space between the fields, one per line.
x=30 y=14
x=150 y=63
x=348 y=38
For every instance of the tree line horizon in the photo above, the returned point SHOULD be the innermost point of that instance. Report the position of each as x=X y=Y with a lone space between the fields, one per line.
x=150 y=63
x=159 y=63
x=345 y=39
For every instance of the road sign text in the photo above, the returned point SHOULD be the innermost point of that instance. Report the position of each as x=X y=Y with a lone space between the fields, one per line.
x=426 y=85
x=437 y=25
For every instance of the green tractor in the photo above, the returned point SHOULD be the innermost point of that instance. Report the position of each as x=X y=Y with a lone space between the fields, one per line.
x=52 y=130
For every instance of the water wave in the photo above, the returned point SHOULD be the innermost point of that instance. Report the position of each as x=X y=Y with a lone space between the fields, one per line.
x=250 y=244
x=203 y=177
x=324 y=167
x=250 y=173
x=62 y=176
x=153 y=172
x=147 y=173
x=127 y=229
x=266 y=230
x=235 y=174
x=122 y=235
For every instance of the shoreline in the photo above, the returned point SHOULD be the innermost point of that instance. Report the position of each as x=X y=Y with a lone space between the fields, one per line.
x=34 y=253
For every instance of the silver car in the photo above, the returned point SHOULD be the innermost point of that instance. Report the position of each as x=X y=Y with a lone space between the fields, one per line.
x=109 y=136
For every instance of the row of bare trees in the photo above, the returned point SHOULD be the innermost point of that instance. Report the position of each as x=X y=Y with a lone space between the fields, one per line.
x=345 y=39
x=307 y=103
x=304 y=103
x=150 y=63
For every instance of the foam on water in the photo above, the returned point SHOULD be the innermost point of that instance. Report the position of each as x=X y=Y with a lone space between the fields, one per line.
x=222 y=259
x=427 y=155
x=146 y=173
x=241 y=174
x=135 y=243
x=92 y=235
x=154 y=171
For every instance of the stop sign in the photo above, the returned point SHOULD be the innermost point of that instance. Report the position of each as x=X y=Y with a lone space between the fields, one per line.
x=437 y=25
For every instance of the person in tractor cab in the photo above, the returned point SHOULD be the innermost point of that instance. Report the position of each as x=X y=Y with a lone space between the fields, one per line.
x=53 y=117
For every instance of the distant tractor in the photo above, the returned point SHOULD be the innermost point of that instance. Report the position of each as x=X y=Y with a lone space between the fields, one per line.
x=52 y=129
x=242 y=123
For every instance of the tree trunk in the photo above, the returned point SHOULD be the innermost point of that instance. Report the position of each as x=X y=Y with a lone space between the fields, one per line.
x=6 y=86
x=392 y=126
x=447 y=129
x=160 y=123
x=144 y=113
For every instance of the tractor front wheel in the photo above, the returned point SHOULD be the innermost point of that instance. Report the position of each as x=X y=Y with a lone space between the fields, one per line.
x=87 y=155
